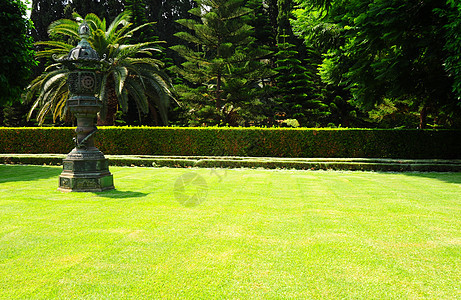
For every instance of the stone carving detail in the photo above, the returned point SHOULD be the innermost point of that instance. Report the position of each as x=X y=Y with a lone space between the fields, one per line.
x=67 y=165
x=87 y=183
x=64 y=182
x=83 y=83
x=88 y=82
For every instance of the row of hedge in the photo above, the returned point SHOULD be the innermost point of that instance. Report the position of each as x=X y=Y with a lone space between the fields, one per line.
x=256 y=142
x=352 y=164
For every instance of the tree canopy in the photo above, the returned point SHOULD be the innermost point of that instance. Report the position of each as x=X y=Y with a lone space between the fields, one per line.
x=225 y=66
x=17 y=55
x=386 y=49
x=372 y=63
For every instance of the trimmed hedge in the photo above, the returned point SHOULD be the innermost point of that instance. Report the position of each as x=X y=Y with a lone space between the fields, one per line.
x=352 y=164
x=254 y=142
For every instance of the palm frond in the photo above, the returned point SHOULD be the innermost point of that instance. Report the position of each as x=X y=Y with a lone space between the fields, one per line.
x=123 y=34
x=136 y=91
x=60 y=102
x=77 y=17
x=96 y=21
x=120 y=74
x=63 y=27
x=122 y=19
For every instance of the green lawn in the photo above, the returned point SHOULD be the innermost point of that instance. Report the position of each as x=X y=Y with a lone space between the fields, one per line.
x=231 y=234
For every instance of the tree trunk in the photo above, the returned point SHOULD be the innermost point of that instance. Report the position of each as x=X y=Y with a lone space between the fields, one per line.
x=112 y=104
x=423 y=117
x=218 y=92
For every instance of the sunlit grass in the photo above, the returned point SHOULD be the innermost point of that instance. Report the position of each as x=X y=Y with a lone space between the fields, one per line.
x=245 y=234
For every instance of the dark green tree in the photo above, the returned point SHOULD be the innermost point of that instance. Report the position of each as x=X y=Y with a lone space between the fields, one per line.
x=386 y=49
x=44 y=12
x=284 y=29
x=165 y=14
x=17 y=55
x=138 y=9
x=453 y=43
x=297 y=91
x=222 y=68
x=264 y=21
x=105 y=9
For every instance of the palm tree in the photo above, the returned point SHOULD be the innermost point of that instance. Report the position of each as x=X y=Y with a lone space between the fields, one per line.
x=129 y=72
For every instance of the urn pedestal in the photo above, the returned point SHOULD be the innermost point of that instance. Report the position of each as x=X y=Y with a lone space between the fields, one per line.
x=85 y=169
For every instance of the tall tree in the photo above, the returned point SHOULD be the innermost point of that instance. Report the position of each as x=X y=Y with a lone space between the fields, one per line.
x=297 y=91
x=264 y=21
x=387 y=49
x=452 y=13
x=222 y=67
x=17 y=56
x=105 y=9
x=139 y=10
x=165 y=13
x=284 y=30
x=44 y=12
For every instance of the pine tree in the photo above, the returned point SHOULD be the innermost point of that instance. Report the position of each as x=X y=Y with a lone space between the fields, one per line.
x=222 y=67
x=165 y=14
x=138 y=9
x=297 y=91
x=265 y=31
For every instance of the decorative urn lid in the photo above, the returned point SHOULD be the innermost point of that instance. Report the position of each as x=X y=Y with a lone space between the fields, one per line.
x=83 y=51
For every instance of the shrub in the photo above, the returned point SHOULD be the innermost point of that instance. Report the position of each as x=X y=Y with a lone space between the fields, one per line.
x=257 y=142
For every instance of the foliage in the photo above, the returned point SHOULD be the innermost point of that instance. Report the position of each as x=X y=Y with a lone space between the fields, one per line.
x=252 y=142
x=264 y=21
x=15 y=115
x=382 y=49
x=105 y=9
x=124 y=76
x=17 y=55
x=165 y=14
x=44 y=12
x=223 y=68
x=139 y=17
x=453 y=43
x=299 y=96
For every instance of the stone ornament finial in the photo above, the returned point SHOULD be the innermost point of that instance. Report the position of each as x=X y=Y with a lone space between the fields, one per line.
x=84 y=30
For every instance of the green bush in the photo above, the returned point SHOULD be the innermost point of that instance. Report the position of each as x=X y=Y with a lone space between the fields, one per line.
x=257 y=142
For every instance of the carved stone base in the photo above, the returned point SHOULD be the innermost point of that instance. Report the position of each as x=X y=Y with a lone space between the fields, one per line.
x=85 y=171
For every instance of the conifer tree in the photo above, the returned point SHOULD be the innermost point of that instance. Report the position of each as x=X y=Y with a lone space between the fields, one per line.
x=297 y=89
x=138 y=9
x=298 y=94
x=222 y=67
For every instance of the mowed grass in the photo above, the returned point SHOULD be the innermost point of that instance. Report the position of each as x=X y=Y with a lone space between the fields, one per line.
x=256 y=234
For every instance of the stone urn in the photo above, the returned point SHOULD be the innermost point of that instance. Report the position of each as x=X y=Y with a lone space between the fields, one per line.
x=85 y=169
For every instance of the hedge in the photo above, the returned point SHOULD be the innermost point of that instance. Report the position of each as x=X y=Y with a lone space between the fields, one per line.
x=352 y=164
x=250 y=142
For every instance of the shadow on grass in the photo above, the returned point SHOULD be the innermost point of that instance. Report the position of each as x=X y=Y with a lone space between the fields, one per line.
x=10 y=173
x=117 y=194
x=449 y=177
